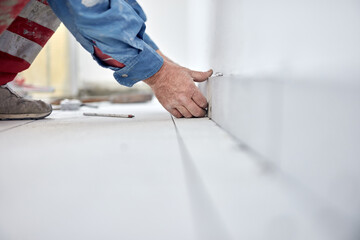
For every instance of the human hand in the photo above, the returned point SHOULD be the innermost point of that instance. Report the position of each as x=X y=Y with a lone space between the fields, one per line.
x=175 y=89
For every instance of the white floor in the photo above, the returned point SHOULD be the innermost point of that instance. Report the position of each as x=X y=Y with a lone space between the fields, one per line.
x=148 y=178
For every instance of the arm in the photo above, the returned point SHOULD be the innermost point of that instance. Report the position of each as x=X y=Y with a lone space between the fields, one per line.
x=116 y=29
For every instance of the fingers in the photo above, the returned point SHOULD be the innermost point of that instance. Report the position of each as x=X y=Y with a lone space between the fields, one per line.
x=194 y=109
x=199 y=99
x=191 y=107
x=175 y=89
x=201 y=76
x=175 y=113
x=184 y=112
x=191 y=110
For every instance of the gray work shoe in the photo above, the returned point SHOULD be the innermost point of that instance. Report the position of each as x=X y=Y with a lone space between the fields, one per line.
x=14 y=107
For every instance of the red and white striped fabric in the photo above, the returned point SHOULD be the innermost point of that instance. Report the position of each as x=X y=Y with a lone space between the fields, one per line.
x=24 y=38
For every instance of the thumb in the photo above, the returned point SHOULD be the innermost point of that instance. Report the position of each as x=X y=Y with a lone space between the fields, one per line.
x=201 y=76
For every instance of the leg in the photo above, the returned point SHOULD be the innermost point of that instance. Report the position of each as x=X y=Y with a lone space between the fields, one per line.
x=20 y=43
x=9 y=9
x=24 y=38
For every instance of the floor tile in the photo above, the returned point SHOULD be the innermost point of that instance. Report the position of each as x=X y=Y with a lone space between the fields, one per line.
x=10 y=124
x=76 y=177
x=251 y=198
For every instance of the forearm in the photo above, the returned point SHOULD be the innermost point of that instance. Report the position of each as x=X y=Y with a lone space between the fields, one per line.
x=117 y=30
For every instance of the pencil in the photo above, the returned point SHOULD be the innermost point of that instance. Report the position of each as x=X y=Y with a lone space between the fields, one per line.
x=109 y=115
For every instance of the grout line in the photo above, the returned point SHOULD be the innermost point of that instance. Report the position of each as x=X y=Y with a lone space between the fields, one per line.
x=10 y=128
x=207 y=221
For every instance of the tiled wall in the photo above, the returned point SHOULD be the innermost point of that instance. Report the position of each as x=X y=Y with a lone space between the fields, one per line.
x=291 y=93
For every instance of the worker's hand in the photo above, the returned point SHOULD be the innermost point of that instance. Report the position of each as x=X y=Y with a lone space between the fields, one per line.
x=175 y=89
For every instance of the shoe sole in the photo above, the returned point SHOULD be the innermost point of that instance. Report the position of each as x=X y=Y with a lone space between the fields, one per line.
x=26 y=116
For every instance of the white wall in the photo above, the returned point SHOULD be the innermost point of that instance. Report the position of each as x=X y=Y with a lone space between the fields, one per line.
x=181 y=30
x=291 y=95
